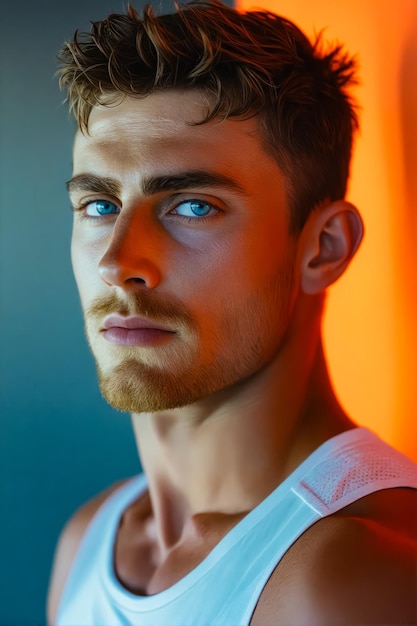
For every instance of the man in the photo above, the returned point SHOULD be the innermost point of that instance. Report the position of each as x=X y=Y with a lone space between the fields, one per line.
x=210 y=169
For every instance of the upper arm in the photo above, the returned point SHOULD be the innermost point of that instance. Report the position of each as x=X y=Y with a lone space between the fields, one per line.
x=349 y=571
x=368 y=575
x=67 y=547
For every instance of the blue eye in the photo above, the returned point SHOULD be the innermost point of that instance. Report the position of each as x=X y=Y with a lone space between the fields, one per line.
x=193 y=208
x=101 y=207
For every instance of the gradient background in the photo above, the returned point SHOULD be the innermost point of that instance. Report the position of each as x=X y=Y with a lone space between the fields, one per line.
x=57 y=435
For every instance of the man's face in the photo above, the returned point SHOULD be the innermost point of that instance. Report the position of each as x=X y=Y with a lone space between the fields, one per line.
x=180 y=250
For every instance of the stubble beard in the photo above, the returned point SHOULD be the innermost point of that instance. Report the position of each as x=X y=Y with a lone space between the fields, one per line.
x=183 y=376
x=134 y=381
x=137 y=387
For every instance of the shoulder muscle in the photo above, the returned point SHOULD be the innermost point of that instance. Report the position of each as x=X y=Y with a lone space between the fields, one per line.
x=67 y=547
x=348 y=570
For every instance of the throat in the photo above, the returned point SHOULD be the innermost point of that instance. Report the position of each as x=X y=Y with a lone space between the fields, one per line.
x=146 y=568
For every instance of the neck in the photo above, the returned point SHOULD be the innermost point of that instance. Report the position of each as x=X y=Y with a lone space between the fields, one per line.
x=227 y=453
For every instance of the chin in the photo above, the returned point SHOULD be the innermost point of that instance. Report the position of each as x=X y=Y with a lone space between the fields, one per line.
x=138 y=388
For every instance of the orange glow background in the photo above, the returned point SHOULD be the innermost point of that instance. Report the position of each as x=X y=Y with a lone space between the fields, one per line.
x=370 y=325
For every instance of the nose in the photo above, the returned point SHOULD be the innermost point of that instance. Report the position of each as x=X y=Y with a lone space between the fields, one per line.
x=131 y=257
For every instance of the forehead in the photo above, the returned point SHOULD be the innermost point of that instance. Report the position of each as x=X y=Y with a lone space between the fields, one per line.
x=161 y=132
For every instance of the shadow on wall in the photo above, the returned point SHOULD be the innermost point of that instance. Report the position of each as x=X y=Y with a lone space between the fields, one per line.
x=407 y=86
x=408 y=104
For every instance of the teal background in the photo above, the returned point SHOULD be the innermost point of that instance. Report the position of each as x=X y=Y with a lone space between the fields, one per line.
x=60 y=443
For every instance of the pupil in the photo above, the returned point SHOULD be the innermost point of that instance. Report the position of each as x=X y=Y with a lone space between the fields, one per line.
x=103 y=207
x=199 y=208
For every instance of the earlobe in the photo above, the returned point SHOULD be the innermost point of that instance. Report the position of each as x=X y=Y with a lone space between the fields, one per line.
x=333 y=235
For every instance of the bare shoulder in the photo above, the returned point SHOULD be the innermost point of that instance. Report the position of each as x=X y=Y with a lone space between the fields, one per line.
x=356 y=567
x=67 y=546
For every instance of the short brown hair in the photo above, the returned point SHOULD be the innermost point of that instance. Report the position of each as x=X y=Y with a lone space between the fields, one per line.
x=251 y=63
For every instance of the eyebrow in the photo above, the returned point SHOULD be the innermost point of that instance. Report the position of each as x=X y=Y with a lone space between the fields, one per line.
x=155 y=184
x=95 y=184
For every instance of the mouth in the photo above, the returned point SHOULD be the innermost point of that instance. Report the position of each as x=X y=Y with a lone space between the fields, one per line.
x=134 y=331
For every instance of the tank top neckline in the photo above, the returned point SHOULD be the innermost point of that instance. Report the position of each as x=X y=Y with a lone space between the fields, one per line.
x=136 y=487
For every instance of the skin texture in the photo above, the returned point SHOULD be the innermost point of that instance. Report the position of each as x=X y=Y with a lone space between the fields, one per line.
x=242 y=361
x=182 y=262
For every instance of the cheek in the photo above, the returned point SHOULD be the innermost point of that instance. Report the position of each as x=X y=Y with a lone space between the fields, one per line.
x=244 y=291
x=85 y=267
x=234 y=273
x=254 y=265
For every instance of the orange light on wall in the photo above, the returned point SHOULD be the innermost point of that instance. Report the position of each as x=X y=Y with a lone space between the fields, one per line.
x=370 y=326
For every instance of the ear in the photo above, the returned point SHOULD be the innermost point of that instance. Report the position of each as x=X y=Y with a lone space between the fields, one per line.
x=330 y=240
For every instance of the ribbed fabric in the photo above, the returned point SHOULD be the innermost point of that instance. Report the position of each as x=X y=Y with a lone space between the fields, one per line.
x=224 y=588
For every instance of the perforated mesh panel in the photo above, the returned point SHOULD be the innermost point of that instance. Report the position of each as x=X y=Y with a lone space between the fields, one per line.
x=352 y=470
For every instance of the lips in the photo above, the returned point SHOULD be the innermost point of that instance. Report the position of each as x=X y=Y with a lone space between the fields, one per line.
x=134 y=331
x=131 y=323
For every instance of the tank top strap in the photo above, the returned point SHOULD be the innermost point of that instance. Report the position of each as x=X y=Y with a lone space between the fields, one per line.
x=350 y=466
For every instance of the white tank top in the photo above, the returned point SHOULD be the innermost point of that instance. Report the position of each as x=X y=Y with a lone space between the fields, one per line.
x=225 y=587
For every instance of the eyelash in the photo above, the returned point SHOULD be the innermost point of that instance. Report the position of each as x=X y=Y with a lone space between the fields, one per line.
x=80 y=209
x=200 y=219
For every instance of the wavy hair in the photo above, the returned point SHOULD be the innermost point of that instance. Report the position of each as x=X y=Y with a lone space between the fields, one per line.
x=249 y=64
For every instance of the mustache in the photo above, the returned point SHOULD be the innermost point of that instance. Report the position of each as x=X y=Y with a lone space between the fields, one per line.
x=141 y=304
